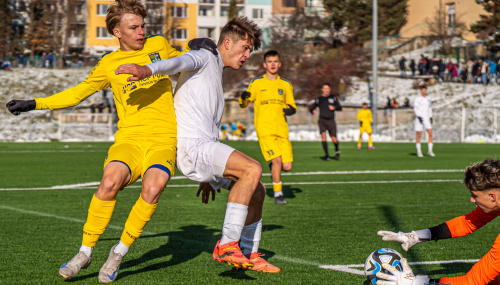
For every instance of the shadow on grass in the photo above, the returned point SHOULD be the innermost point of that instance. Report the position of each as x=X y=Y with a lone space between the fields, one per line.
x=288 y=191
x=183 y=245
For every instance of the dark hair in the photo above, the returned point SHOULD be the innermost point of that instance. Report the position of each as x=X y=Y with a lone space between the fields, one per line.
x=364 y=103
x=238 y=29
x=271 y=53
x=483 y=175
x=120 y=7
x=328 y=84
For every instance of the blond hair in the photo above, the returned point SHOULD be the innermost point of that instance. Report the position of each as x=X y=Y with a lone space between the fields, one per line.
x=121 y=7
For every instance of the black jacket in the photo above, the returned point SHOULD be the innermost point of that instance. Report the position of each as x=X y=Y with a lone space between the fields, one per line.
x=323 y=103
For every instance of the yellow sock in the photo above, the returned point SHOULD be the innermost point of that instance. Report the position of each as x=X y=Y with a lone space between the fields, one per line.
x=139 y=216
x=277 y=189
x=370 y=142
x=359 y=140
x=100 y=213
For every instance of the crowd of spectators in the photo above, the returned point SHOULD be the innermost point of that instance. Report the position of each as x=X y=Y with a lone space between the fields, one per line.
x=476 y=71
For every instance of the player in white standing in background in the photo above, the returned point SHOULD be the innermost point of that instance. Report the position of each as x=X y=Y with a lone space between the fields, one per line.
x=199 y=106
x=423 y=119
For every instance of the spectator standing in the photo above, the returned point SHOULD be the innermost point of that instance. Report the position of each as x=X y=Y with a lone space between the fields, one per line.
x=463 y=76
x=454 y=72
x=328 y=105
x=476 y=69
x=43 y=60
x=449 y=67
x=441 y=68
x=493 y=70
x=402 y=67
x=484 y=72
x=422 y=66
x=50 y=60
x=470 y=73
x=412 y=67
x=21 y=60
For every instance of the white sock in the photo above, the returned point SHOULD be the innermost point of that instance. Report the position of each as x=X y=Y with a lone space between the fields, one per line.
x=430 y=147
x=279 y=193
x=87 y=250
x=250 y=237
x=424 y=234
x=419 y=150
x=236 y=214
x=121 y=248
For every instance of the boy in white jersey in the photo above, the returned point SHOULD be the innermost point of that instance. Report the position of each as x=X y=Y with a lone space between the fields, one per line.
x=423 y=119
x=199 y=105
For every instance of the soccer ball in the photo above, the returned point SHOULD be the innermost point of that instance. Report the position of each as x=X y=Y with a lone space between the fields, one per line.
x=374 y=262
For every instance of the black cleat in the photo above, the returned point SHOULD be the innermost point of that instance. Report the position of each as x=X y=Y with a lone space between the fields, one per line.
x=337 y=155
x=325 y=158
x=280 y=200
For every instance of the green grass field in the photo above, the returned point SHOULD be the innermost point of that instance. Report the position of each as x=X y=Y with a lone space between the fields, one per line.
x=334 y=210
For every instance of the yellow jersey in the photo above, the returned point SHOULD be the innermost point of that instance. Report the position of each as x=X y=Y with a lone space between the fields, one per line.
x=365 y=117
x=270 y=97
x=144 y=107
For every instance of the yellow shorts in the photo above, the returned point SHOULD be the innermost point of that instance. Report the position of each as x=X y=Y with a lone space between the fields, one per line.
x=139 y=155
x=364 y=129
x=273 y=146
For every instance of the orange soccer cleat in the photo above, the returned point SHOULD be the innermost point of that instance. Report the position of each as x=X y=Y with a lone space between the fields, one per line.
x=231 y=254
x=260 y=264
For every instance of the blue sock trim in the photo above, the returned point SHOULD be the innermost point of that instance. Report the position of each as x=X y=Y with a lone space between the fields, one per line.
x=161 y=167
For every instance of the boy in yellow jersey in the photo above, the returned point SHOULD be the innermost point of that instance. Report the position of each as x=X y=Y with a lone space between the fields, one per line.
x=145 y=143
x=273 y=97
x=365 y=125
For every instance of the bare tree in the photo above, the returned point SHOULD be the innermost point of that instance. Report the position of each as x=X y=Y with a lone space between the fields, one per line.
x=38 y=34
x=444 y=25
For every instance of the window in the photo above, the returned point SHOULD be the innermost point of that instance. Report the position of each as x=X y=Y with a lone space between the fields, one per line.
x=224 y=11
x=257 y=13
x=289 y=3
x=205 y=32
x=103 y=34
x=206 y=11
x=102 y=10
x=179 y=34
x=179 y=12
x=450 y=18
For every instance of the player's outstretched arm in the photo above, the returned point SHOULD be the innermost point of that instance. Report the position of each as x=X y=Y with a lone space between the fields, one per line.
x=16 y=107
x=138 y=72
x=407 y=240
x=396 y=277
x=205 y=189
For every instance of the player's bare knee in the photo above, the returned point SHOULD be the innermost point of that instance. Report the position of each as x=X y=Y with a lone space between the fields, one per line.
x=287 y=167
x=110 y=185
x=254 y=170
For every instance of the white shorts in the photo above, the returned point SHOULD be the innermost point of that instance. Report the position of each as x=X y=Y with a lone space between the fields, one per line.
x=203 y=161
x=426 y=124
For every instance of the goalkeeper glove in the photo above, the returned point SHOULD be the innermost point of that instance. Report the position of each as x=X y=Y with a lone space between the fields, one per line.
x=245 y=95
x=289 y=111
x=420 y=120
x=396 y=277
x=206 y=43
x=407 y=239
x=18 y=106
x=431 y=120
x=360 y=123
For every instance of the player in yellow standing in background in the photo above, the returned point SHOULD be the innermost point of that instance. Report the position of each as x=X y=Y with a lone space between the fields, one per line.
x=273 y=101
x=365 y=125
x=145 y=143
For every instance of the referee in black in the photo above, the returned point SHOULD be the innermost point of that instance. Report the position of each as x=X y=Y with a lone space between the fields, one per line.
x=327 y=104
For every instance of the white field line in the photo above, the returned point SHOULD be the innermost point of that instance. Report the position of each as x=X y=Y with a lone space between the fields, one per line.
x=342 y=268
x=350 y=269
x=93 y=184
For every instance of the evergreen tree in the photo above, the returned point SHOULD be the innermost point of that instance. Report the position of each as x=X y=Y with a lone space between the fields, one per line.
x=233 y=10
x=488 y=26
x=356 y=16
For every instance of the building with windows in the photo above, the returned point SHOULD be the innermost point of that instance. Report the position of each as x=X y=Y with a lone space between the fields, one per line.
x=467 y=11
x=98 y=41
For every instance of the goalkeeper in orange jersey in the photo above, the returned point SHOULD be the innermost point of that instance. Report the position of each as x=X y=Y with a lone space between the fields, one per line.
x=273 y=97
x=482 y=179
x=145 y=143
x=365 y=125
